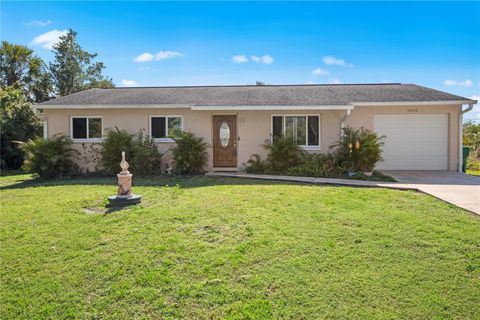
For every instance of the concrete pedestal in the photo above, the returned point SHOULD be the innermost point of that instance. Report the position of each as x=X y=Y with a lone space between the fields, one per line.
x=124 y=193
x=124 y=200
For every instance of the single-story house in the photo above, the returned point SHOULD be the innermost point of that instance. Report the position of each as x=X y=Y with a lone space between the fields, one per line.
x=422 y=125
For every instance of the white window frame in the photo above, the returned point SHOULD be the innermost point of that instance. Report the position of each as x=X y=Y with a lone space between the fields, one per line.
x=87 y=139
x=305 y=147
x=166 y=116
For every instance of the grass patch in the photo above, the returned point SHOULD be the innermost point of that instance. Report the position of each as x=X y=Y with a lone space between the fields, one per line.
x=204 y=248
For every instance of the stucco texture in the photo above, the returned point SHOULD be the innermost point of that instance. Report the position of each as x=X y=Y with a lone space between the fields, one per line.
x=253 y=127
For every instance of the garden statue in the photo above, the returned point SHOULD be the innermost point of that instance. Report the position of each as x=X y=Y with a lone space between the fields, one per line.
x=124 y=193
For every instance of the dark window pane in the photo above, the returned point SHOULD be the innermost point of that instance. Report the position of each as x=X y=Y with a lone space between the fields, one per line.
x=313 y=131
x=79 y=128
x=94 y=128
x=301 y=130
x=277 y=127
x=159 y=128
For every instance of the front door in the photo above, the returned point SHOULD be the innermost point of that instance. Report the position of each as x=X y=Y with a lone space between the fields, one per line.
x=225 y=141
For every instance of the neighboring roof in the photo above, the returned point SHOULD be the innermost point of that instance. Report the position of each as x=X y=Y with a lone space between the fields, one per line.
x=253 y=95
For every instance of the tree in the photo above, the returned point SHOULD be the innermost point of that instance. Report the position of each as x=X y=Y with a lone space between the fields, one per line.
x=471 y=138
x=73 y=69
x=18 y=122
x=18 y=64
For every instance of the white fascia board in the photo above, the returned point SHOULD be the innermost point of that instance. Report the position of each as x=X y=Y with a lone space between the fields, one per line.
x=412 y=103
x=114 y=106
x=258 y=108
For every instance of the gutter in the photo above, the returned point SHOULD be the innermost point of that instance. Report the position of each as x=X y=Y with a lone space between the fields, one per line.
x=460 y=136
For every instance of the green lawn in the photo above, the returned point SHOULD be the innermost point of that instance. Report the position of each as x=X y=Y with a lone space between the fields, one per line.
x=208 y=248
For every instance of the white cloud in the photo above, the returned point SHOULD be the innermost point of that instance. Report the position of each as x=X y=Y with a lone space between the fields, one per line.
x=465 y=83
x=310 y=82
x=38 y=23
x=129 y=83
x=48 y=39
x=162 y=55
x=240 y=58
x=144 y=57
x=329 y=61
x=320 y=72
x=334 y=81
x=267 y=59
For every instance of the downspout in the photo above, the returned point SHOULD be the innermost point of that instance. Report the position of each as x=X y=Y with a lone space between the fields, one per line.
x=460 y=136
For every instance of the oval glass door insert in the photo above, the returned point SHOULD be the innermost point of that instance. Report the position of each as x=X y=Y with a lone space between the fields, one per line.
x=224 y=134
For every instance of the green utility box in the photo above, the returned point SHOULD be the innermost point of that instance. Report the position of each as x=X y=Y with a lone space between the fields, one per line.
x=466 y=153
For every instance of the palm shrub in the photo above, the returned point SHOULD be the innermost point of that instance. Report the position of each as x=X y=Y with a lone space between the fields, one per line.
x=50 y=158
x=255 y=164
x=358 y=149
x=345 y=148
x=111 y=153
x=146 y=158
x=369 y=150
x=190 y=154
x=282 y=153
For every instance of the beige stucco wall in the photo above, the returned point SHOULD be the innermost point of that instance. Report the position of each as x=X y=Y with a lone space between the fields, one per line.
x=253 y=127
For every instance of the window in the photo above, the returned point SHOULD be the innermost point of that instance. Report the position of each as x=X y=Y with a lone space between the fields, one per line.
x=86 y=128
x=304 y=129
x=164 y=127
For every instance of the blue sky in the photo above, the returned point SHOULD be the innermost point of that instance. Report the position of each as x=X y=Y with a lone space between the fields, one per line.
x=431 y=44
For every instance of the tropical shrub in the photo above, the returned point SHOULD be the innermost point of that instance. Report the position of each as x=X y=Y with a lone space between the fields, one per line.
x=256 y=165
x=190 y=154
x=18 y=122
x=315 y=165
x=111 y=153
x=146 y=158
x=471 y=139
x=370 y=150
x=50 y=158
x=358 y=149
x=282 y=153
x=471 y=135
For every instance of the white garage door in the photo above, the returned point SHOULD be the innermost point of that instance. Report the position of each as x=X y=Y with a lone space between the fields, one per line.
x=413 y=142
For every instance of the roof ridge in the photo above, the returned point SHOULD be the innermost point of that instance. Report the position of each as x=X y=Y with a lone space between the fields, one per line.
x=263 y=85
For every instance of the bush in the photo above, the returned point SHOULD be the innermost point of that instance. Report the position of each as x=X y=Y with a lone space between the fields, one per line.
x=18 y=122
x=146 y=158
x=358 y=149
x=282 y=154
x=255 y=164
x=111 y=153
x=50 y=158
x=315 y=165
x=190 y=154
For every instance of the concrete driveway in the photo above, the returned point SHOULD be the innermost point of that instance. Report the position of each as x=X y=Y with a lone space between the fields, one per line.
x=454 y=187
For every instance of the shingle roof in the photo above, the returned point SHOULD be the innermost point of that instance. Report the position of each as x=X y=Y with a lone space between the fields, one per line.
x=268 y=95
